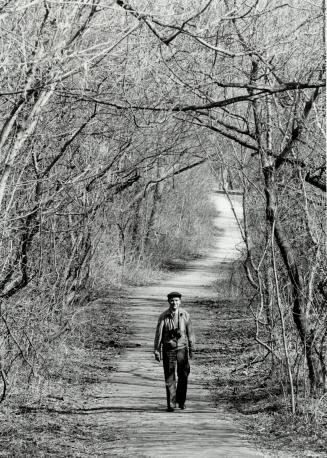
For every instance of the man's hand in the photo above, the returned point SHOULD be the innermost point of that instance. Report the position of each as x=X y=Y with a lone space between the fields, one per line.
x=157 y=356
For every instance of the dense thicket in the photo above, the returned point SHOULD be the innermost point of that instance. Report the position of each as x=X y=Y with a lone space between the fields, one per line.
x=83 y=184
x=108 y=113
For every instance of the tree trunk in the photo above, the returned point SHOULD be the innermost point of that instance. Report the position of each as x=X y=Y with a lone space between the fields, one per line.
x=135 y=230
x=287 y=254
x=156 y=198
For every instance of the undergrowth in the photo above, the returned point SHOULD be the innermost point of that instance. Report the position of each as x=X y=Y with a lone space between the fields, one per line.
x=242 y=380
x=42 y=419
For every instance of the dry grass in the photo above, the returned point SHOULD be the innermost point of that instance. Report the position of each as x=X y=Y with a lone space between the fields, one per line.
x=241 y=380
x=51 y=420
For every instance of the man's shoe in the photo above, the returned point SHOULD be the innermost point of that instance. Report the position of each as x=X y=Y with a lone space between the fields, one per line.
x=170 y=409
x=182 y=406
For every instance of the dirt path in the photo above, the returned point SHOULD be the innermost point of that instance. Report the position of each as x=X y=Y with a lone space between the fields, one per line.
x=133 y=404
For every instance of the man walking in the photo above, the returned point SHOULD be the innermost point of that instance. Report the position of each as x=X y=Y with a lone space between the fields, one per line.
x=174 y=340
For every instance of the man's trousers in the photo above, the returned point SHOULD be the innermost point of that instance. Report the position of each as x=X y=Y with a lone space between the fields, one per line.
x=172 y=359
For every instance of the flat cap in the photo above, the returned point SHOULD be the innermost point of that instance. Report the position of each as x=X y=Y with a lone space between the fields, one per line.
x=174 y=294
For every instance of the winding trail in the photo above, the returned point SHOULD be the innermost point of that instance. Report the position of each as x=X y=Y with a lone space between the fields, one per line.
x=134 y=405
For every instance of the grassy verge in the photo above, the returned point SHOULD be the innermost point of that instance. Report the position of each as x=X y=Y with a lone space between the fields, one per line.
x=241 y=382
x=48 y=417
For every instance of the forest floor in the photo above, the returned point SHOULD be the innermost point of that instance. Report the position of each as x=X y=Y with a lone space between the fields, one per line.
x=241 y=382
x=109 y=399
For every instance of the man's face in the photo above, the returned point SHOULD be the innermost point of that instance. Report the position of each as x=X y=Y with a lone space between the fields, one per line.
x=174 y=303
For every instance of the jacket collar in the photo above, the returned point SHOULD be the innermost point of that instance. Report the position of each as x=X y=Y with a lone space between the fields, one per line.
x=169 y=313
